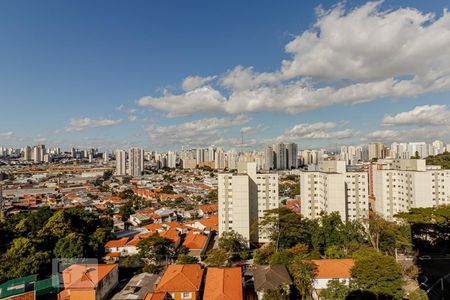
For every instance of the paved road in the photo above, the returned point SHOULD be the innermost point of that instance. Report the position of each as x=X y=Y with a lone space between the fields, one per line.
x=432 y=271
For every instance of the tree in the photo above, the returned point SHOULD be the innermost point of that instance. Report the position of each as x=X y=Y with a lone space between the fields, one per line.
x=232 y=242
x=334 y=251
x=378 y=274
x=285 y=228
x=335 y=290
x=23 y=259
x=302 y=272
x=167 y=189
x=71 y=246
x=57 y=227
x=217 y=258
x=97 y=241
x=418 y=294
x=429 y=225
x=276 y=294
x=156 y=249
x=126 y=210
x=186 y=260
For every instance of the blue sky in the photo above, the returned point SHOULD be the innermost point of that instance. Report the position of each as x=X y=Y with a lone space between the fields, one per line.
x=109 y=74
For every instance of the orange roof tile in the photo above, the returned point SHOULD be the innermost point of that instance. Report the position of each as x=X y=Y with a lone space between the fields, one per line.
x=194 y=241
x=212 y=222
x=155 y=296
x=171 y=234
x=117 y=243
x=223 y=284
x=181 y=278
x=333 y=268
x=209 y=208
x=86 y=276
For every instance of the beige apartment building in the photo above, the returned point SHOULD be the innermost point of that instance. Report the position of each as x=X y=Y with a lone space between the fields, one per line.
x=243 y=199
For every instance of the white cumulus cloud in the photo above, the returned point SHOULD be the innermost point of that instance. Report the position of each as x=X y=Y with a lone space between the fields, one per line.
x=82 y=124
x=347 y=56
x=420 y=115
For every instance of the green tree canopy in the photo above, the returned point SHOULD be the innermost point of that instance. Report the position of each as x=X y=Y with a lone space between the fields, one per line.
x=378 y=274
x=336 y=290
x=71 y=246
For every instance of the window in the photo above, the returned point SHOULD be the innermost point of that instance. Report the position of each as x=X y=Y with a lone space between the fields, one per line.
x=186 y=295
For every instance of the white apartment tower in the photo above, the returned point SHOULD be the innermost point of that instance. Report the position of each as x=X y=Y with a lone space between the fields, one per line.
x=268 y=158
x=27 y=153
x=171 y=159
x=121 y=162
x=135 y=161
x=38 y=153
x=219 y=161
x=402 y=184
x=332 y=189
x=243 y=199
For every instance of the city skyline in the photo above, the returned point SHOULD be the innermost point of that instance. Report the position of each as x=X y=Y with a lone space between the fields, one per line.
x=138 y=78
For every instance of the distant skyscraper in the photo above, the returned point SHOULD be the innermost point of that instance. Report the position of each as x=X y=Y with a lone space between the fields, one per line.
x=291 y=156
x=280 y=156
x=135 y=162
x=121 y=163
x=27 y=153
x=171 y=159
x=268 y=158
x=38 y=153
x=219 y=161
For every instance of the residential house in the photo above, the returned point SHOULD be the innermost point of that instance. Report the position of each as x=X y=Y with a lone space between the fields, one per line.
x=138 y=287
x=89 y=281
x=223 y=284
x=271 y=277
x=181 y=281
x=328 y=269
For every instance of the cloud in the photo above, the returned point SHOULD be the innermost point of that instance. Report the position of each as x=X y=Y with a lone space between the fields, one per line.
x=7 y=134
x=421 y=115
x=82 y=124
x=204 y=99
x=346 y=57
x=419 y=133
x=315 y=131
x=132 y=118
x=194 y=133
x=120 y=107
x=192 y=82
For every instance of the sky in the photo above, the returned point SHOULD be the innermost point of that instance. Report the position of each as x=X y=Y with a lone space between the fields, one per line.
x=169 y=74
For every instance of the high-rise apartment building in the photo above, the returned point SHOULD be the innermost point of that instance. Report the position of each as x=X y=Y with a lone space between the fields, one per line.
x=219 y=161
x=135 y=161
x=268 y=158
x=27 y=153
x=38 y=153
x=243 y=199
x=171 y=159
x=332 y=189
x=402 y=184
x=291 y=156
x=121 y=162
x=279 y=156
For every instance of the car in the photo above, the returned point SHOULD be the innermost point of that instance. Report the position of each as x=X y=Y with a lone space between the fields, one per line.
x=425 y=257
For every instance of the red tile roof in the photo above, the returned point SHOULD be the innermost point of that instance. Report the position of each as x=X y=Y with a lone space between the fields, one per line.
x=333 y=268
x=194 y=241
x=223 y=284
x=181 y=278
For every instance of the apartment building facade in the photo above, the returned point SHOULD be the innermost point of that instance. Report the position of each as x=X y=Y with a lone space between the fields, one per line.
x=333 y=189
x=243 y=199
